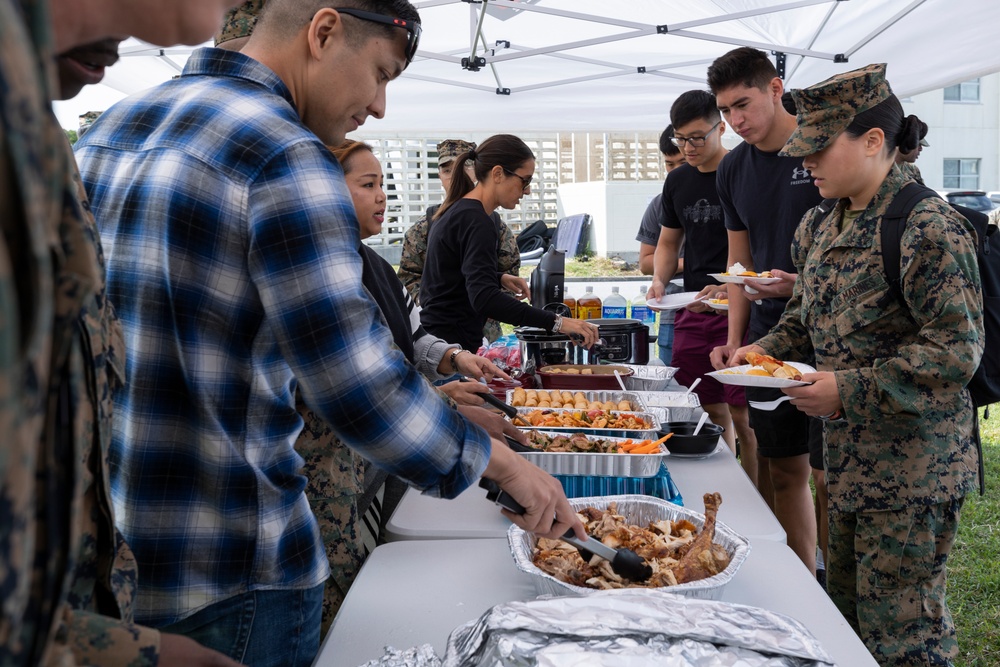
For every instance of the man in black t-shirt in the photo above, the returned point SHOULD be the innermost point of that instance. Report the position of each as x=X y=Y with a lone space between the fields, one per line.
x=692 y=213
x=764 y=196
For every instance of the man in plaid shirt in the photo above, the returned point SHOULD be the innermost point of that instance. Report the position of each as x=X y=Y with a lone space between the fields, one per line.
x=232 y=260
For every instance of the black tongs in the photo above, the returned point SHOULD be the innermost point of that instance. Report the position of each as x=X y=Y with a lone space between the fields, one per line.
x=624 y=562
x=502 y=406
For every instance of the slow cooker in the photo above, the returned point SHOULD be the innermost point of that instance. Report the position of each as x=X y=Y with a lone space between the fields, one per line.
x=622 y=341
x=541 y=348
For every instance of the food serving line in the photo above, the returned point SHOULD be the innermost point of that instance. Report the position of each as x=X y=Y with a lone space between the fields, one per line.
x=448 y=561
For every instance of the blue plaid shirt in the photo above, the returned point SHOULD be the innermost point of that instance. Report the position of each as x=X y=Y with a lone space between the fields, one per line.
x=232 y=254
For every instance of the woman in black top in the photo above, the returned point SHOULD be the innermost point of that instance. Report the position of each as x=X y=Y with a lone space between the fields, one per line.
x=461 y=285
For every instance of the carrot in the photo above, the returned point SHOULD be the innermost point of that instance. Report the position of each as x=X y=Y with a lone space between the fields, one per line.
x=629 y=446
x=648 y=449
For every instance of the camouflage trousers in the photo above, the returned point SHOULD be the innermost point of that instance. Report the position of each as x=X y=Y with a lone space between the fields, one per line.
x=885 y=571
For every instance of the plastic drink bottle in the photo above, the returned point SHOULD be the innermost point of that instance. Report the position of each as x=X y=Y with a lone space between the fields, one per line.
x=570 y=302
x=588 y=306
x=642 y=312
x=615 y=306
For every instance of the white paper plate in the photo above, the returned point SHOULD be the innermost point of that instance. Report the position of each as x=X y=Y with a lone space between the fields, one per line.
x=716 y=306
x=737 y=375
x=677 y=281
x=723 y=278
x=673 y=301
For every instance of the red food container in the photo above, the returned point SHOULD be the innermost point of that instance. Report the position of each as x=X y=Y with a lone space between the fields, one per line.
x=598 y=378
x=499 y=386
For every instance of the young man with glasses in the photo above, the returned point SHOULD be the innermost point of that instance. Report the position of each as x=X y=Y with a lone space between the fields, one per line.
x=693 y=216
x=232 y=254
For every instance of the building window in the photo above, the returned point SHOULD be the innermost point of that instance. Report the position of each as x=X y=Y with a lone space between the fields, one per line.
x=961 y=173
x=967 y=91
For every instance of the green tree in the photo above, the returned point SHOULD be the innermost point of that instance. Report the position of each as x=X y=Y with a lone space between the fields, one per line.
x=71 y=135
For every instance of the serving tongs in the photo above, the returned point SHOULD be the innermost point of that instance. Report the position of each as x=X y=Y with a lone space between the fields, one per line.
x=502 y=406
x=624 y=562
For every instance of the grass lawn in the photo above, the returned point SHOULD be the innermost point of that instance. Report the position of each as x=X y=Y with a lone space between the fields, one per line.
x=973 y=572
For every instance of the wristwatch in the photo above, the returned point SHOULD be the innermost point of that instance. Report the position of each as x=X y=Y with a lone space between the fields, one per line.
x=454 y=354
x=558 y=324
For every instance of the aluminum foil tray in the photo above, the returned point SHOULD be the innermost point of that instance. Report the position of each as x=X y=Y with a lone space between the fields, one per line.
x=600 y=396
x=635 y=434
x=639 y=511
x=633 y=629
x=598 y=465
x=675 y=406
x=648 y=378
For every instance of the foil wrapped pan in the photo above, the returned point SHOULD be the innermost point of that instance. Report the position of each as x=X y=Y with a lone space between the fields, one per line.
x=676 y=406
x=600 y=396
x=594 y=464
x=635 y=434
x=635 y=629
x=639 y=511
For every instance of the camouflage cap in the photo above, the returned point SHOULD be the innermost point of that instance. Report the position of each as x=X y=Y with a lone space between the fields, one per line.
x=826 y=109
x=86 y=120
x=239 y=21
x=449 y=149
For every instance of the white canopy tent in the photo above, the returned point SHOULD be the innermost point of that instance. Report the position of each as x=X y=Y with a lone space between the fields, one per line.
x=579 y=65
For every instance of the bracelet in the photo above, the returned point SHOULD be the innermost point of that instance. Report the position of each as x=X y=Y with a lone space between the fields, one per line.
x=454 y=354
x=558 y=324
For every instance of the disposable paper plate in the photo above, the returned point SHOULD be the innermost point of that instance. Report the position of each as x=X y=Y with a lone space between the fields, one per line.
x=673 y=301
x=738 y=375
x=716 y=306
x=739 y=280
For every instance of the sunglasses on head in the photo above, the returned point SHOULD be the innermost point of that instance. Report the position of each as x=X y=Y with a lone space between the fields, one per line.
x=412 y=29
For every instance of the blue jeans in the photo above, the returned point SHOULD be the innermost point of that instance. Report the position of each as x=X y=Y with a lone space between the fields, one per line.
x=665 y=341
x=260 y=628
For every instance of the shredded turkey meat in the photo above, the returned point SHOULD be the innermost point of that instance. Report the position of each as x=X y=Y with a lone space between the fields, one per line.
x=676 y=551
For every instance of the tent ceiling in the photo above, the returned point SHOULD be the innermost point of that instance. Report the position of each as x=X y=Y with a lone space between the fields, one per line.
x=578 y=65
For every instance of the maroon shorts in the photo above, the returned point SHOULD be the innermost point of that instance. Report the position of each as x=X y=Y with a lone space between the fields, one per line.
x=695 y=336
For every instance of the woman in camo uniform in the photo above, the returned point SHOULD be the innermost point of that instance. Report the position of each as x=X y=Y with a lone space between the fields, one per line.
x=899 y=449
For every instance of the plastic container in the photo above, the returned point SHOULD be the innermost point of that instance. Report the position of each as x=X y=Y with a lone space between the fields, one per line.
x=570 y=302
x=640 y=311
x=500 y=387
x=588 y=306
x=684 y=443
x=615 y=306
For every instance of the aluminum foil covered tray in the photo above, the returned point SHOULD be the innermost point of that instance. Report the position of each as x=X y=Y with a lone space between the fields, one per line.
x=635 y=434
x=639 y=511
x=634 y=628
x=591 y=463
x=675 y=406
x=602 y=397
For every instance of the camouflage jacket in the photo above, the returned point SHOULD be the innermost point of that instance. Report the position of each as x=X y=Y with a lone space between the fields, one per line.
x=58 y=347
x=411 y=264
x=901 y=370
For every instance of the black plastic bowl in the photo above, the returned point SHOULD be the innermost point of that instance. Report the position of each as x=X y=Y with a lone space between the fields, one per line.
x=683 y=442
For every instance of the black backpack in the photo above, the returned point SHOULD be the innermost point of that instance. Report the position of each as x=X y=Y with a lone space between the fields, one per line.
x=536 y=236
x=985 y=383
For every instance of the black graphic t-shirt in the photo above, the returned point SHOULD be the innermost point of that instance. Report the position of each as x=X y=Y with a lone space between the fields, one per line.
x=691 y=203
x=765 y=195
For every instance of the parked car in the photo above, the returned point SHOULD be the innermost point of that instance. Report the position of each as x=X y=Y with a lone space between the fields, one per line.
x=974 y=199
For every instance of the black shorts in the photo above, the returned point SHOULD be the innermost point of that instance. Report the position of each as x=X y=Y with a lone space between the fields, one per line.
x=785 y=431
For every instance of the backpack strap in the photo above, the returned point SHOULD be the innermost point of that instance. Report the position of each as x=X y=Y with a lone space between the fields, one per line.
x=893 y=224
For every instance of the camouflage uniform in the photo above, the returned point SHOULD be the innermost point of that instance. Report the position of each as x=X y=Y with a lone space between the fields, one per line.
x=239 y=21
x=903 y=457
x=411 y=263
x=86 y=120
x=62 y=563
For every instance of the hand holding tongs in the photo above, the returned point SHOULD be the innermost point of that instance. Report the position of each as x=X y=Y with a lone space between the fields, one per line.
x=624 y=562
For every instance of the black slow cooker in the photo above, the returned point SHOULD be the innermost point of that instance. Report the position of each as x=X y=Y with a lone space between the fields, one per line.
x=622 y=341
x=541 y=348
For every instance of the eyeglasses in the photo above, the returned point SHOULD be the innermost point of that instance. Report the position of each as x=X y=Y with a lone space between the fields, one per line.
x=697 y=142
x=525 y=182
x=412 y=29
